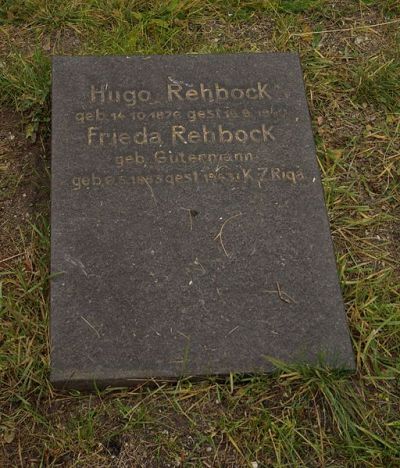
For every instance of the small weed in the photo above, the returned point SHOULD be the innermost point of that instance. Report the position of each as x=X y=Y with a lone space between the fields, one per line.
x=378 y=84
x=25 y=84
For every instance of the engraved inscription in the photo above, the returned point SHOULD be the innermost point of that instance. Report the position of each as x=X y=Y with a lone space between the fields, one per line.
x=104 y=94
x=256 y=176
x=216 y=92
x=181 y=134
x=163 y=157
x=191 y=115
x=152 y=136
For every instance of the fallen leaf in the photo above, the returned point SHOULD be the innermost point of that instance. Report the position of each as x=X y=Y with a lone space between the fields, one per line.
x=9 y=436
x=46 y=44
x=308 y=36
x=336 y=154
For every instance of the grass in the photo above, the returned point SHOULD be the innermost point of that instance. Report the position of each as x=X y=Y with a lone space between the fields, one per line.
x=300 y=416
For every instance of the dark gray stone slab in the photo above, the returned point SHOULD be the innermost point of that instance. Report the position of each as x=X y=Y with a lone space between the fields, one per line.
x=189 y=231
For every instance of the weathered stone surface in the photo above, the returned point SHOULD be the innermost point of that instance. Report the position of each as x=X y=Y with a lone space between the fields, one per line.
x=189 y=231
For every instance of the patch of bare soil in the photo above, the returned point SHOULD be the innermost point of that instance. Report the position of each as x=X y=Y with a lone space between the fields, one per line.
x=23 y=184
x=15 y=38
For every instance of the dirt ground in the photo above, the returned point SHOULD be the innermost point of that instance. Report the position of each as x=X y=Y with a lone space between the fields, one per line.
x=24 y=189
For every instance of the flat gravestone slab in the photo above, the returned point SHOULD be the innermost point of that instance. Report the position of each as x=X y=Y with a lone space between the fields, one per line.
x=189 y=231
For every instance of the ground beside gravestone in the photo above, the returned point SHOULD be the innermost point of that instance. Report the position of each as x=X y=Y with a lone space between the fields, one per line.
x=22 y=168
x=301 y=417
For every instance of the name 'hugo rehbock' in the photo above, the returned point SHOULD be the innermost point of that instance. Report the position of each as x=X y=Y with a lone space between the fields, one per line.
x=176 y=92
